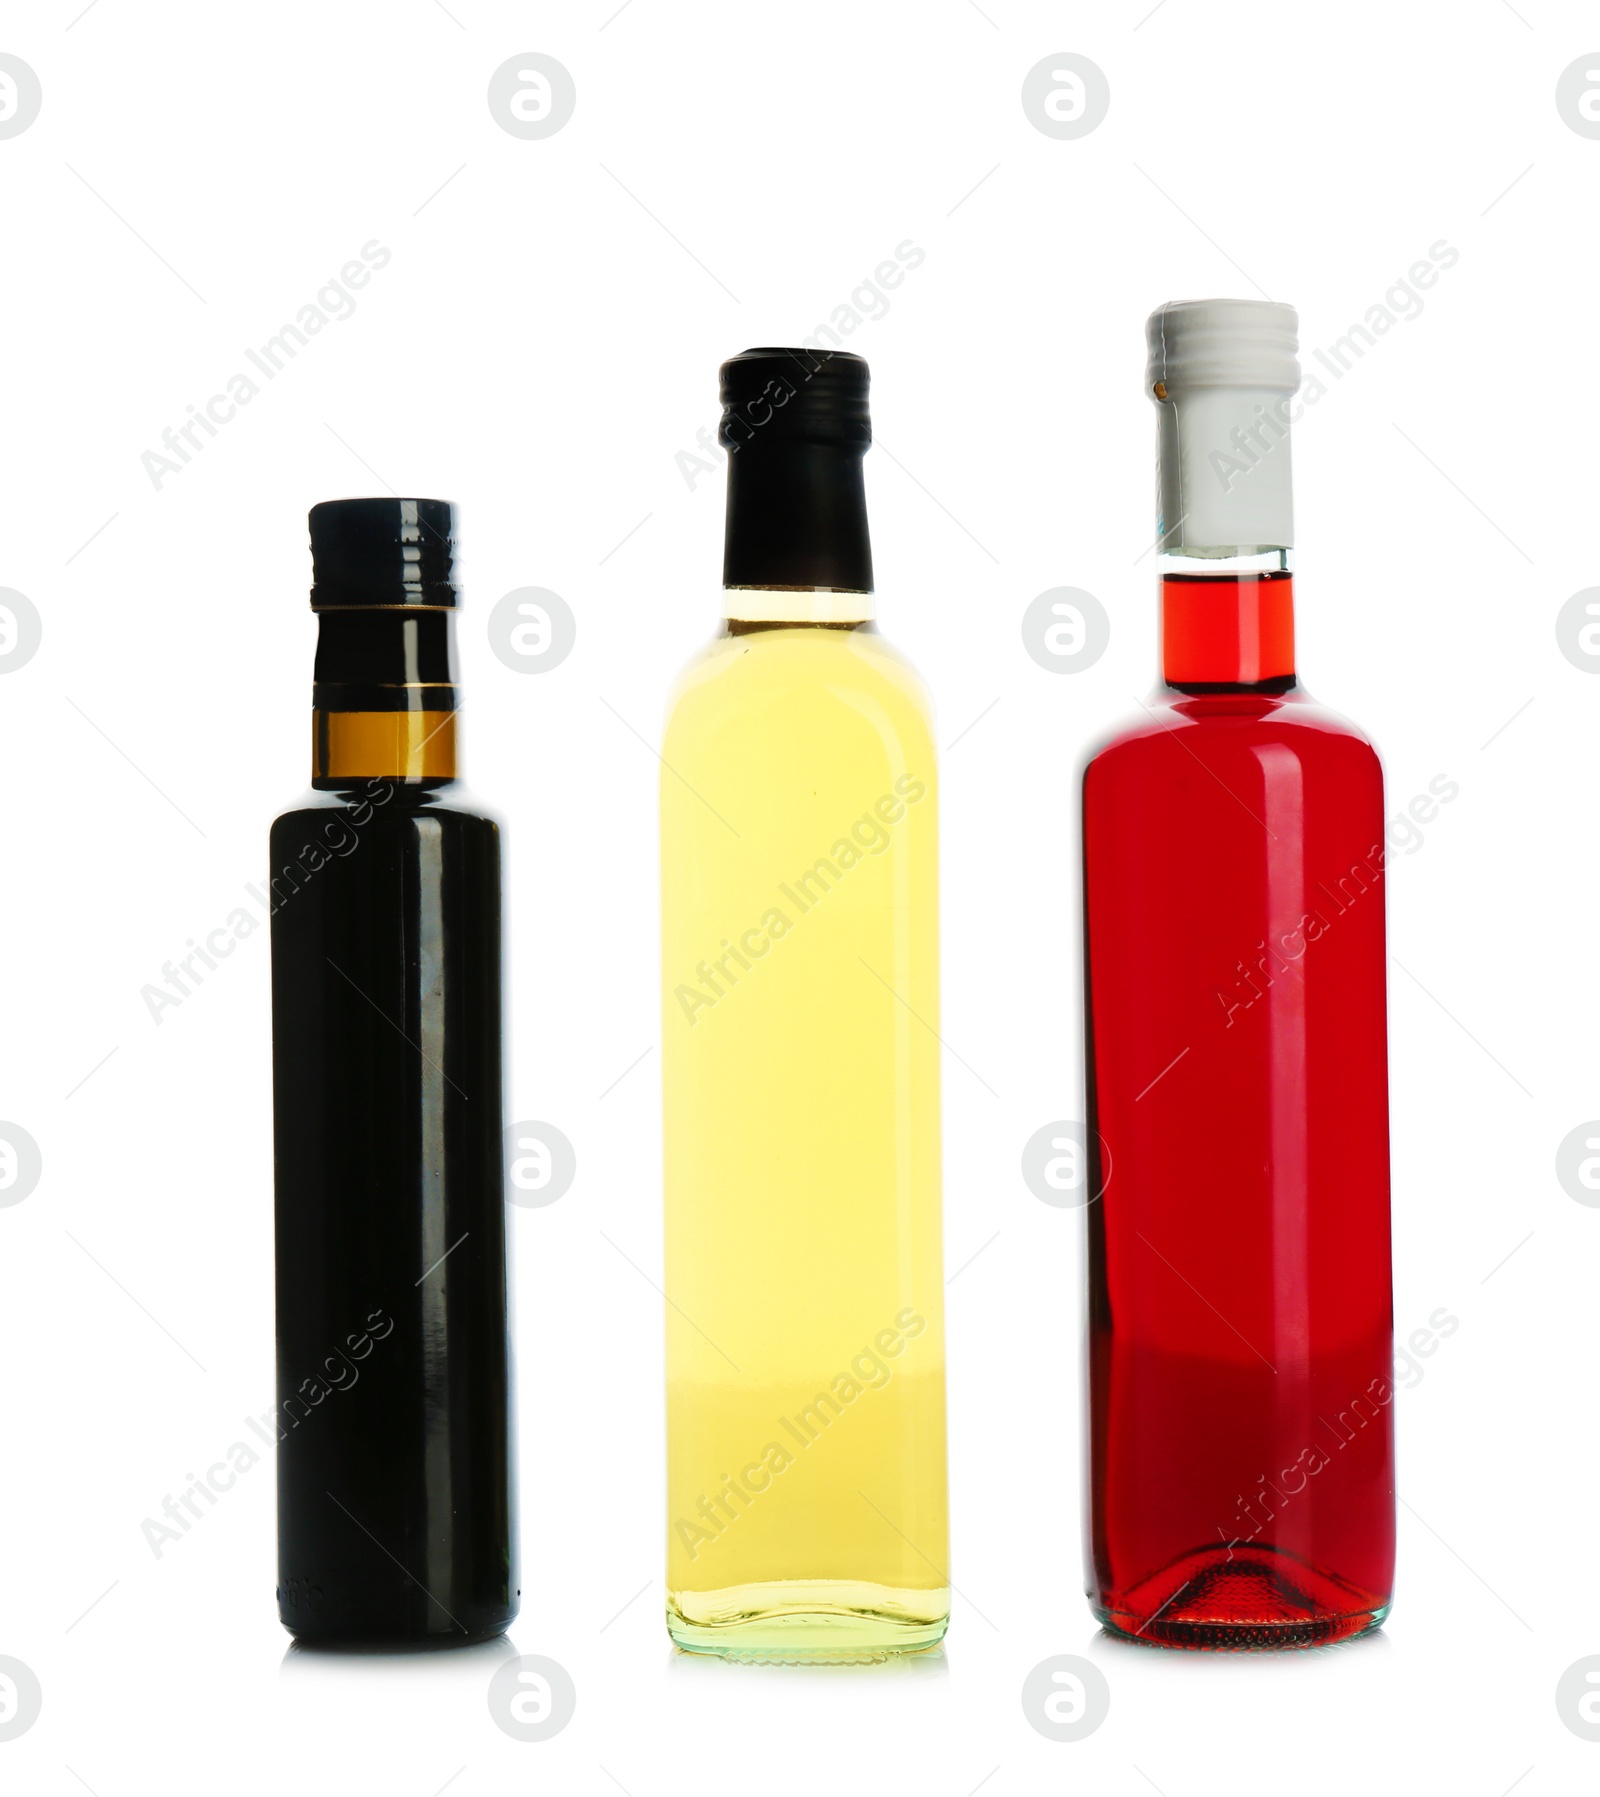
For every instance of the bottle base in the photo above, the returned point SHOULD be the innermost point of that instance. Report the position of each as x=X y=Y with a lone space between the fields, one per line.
x=1254 y=1602
x=821 y=1622
x=350 y=1638
x=376 y=1644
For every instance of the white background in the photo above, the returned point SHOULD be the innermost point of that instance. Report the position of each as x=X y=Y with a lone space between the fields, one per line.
x=541 y=346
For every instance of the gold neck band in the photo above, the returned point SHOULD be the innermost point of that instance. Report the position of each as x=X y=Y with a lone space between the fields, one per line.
x=383 y=745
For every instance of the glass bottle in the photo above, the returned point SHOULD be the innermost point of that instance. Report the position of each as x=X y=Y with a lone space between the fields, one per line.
x=805 y=1342
x=1240 y=1351
x=395 y=1521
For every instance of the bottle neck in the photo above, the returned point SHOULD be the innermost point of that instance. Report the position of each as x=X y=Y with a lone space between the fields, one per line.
x=749 y=609
x=1227 y=622
x=384 y=703
x=797 y=520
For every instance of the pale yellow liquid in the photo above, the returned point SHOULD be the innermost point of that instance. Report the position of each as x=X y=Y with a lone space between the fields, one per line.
x=806 y=1501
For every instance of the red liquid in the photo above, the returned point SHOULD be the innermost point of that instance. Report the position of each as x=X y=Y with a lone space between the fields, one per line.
x=1242 y=1456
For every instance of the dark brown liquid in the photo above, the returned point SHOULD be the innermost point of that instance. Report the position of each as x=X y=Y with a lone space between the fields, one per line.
x=394 y=1507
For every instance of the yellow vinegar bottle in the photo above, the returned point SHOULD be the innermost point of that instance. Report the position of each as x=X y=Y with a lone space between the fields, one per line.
x=806 y=1492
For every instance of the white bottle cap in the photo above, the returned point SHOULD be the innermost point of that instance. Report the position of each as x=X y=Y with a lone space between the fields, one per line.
x=1222 y=373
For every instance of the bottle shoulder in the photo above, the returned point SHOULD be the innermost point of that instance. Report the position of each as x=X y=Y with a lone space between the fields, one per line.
x=1225 y=723
x=385 y=804
x=808 y=672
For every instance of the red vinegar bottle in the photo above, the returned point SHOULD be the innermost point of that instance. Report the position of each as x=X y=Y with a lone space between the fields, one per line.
x=1240 y=1318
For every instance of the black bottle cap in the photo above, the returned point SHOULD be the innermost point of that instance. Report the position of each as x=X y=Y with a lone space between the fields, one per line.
x=794 y=395
x=382 y=552
x=795 y=424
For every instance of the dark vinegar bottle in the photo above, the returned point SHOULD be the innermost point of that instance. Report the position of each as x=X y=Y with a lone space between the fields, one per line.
x=1240 y=1353
x=394 y=1461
